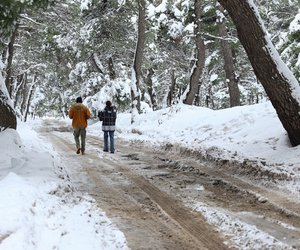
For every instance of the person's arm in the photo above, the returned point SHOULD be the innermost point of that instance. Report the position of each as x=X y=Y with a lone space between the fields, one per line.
x=71 y=113
x=100 y=115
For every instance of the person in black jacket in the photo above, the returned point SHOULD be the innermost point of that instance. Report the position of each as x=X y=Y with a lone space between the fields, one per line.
x=108 y=117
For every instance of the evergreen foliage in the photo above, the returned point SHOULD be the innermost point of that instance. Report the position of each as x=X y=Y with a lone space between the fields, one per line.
x=74 y=49
x=10 y=11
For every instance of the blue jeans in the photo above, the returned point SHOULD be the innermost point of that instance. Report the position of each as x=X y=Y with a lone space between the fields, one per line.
x=111 y=140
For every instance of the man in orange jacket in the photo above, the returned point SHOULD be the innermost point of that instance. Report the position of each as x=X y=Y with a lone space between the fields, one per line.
x=80 y=114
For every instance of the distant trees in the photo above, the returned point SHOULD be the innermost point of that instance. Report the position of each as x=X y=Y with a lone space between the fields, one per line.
x=10 y=12
x=281 y=86
x=106 y=52
x=167 y=50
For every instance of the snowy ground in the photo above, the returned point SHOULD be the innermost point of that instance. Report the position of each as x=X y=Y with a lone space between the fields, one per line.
x=41 y=210
x=249 y=134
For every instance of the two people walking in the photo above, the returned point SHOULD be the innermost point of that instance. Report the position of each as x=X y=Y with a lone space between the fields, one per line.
x=79 y=114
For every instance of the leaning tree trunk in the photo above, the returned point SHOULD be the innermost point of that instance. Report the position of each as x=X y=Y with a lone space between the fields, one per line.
x=199 y=66
x=231 y=77
x=138 y=59
x=278 y=81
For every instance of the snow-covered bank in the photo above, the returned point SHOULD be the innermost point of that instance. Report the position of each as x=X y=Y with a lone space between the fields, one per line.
x=253 y=132
x=39 y=208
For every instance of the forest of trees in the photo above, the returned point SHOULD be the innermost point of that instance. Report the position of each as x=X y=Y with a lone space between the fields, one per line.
x=149 y=54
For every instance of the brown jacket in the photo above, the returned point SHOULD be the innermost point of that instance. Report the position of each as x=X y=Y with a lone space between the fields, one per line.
x=80 y=114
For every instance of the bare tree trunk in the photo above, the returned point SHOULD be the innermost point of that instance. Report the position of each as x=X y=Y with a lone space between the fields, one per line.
x=200 y=51
x=197 y=97
x=111 y=69
x=172 y=89
x=4 y=55
x=231 y=77
x=278 y=81
x=31 y=91
x=20 y=82
x=138 y=59
x=8 y=77
x=150 y=90
x=97 y=63
x=25 y=93
x=209 y=98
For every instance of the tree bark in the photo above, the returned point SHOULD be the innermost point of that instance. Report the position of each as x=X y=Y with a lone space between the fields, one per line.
x=278 y=81
x=31 y=91
x=20 y=82
x=8 y=77
x=7 y=114
x=231 y=77
x=4 y=54
x=150 y=90
x=25 y=94
x=111 y=69
x=172 y=89
x=138 y=58
x=200 y=55
x=97 y=63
